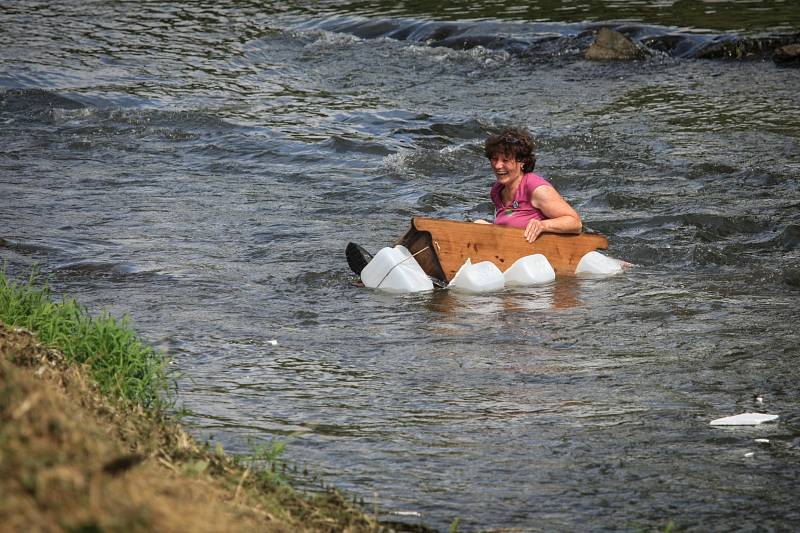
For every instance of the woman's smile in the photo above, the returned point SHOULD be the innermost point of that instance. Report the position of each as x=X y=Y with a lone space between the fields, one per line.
x=507 y=170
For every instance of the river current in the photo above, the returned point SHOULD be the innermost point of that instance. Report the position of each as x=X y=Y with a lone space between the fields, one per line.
x=200 y=167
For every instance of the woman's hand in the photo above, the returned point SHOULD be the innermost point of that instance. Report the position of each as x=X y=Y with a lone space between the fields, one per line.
x=534 y=229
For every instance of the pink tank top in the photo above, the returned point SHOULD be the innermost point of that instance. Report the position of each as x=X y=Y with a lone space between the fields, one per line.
x=520 y=211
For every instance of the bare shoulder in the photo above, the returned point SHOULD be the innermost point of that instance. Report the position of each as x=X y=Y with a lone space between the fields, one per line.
x=545 y=193
x=551 y=203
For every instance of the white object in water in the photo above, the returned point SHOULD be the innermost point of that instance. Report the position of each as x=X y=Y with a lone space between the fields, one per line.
x=480 y=277
x=597 y=264
x=530 y=270
x=395 y=270
x=744 y=419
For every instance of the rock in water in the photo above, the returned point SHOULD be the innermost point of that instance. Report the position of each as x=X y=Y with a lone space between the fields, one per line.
x=610 y=44
x=788 y=55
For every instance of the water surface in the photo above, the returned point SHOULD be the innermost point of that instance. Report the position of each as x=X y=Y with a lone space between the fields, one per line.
x=201 y=168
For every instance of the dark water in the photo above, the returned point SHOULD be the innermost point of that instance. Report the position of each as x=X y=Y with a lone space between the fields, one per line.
x=201 y=166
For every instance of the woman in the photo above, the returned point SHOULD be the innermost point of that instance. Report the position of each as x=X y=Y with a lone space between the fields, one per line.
x=521 y=198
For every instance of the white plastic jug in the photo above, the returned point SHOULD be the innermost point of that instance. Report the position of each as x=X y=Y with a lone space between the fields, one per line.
x=597 y=264
x=529 y=270
x=480 y=277
x=395 y=270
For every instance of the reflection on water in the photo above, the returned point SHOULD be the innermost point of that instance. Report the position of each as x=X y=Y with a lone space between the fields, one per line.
x=561 y=294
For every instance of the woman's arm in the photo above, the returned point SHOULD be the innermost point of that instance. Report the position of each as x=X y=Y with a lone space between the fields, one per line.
x=561 y=217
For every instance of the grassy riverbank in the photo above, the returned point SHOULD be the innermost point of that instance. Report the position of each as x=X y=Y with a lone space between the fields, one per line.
x=86 y=443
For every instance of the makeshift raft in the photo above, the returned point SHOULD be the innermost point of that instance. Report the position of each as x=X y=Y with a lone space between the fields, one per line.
x=442 y=246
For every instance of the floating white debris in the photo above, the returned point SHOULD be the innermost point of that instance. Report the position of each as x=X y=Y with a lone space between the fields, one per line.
x=760 y=399
x=273 y=342
x=744 y=419
x=762 y=441
x=480 y=277
x=406 y=513
x=749 y=454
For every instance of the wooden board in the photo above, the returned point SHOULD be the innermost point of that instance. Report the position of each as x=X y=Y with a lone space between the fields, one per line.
x=450 y=243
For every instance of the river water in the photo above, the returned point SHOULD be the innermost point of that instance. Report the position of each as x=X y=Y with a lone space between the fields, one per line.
x=200 y=167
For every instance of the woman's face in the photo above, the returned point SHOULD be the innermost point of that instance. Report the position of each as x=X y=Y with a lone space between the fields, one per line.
x=506 y=168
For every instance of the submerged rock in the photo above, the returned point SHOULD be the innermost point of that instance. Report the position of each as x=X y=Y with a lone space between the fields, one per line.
x=612 y=45
x=788 y=55
x=731 y=47
x=791 y=276
x=33 y=100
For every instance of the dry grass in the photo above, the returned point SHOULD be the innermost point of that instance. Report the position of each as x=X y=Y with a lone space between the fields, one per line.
x=72 y=459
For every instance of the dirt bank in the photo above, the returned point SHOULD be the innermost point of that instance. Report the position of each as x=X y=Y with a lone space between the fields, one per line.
x=71 y=459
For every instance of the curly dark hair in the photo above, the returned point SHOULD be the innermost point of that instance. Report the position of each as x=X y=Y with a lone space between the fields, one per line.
x=516 y=142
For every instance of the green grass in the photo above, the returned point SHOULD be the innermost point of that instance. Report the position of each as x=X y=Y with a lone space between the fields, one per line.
x=266 y=461
x=121 y=364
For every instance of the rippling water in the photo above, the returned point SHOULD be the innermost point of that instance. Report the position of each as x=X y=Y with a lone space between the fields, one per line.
x=201 y=168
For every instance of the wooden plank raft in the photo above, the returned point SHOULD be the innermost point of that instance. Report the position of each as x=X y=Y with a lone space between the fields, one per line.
x=442 y=246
